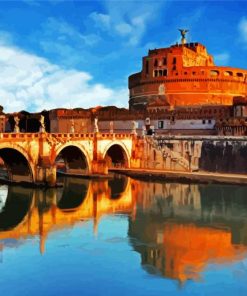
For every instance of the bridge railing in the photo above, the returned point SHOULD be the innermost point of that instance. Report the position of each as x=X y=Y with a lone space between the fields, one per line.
x=18 y=135
x=118 y=136
x=62 y=135
x=71 y=135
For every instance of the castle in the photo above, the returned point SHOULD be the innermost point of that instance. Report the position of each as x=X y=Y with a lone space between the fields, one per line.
x=184 y=75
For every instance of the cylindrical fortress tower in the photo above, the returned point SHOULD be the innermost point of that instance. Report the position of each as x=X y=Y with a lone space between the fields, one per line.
x=185 y=75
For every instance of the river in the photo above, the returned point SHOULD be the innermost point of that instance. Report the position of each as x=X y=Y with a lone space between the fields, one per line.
x=122 y=236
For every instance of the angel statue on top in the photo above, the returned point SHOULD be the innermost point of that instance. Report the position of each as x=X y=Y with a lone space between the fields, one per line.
x=183 y=33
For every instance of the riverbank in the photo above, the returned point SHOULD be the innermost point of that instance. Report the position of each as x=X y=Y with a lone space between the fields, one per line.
x=85 y=176
x=179 y=176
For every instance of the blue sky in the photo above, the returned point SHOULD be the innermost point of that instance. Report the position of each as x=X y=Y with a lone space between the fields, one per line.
x=79 y=53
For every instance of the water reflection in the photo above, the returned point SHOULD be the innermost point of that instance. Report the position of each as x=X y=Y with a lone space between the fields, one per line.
x=16 y=203
x=178 y=229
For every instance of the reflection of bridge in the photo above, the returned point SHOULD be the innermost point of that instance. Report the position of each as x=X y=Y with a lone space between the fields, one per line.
x=37 y=212
x=31 y=157
x=176 y=228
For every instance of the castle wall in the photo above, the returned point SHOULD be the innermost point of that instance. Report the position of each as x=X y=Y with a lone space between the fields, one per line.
x=224 y=156
x=184 y=75
x=196 y=153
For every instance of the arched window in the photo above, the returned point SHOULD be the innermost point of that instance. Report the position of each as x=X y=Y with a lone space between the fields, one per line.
x=239 y=74
x=155 y=63
x=214 y=73
x=228 y=73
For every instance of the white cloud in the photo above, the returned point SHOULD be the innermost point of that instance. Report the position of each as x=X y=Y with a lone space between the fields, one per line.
x=128 y=19
x=33 y=83
x=123 y=28
x=222 y=59
x=243 y=29
x=63 y=31
x=101 y=20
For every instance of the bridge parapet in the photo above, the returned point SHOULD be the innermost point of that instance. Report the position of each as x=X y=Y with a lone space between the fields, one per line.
x=19 y=135
x=117 y=136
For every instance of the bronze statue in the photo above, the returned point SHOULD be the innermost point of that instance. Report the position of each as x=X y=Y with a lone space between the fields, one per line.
x=183 y=33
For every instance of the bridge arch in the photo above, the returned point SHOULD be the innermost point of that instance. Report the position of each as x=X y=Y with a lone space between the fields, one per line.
x=18 y=163
x=116 y=153
x=19 y=201
x=75 y=157
x=117 y=186
x=73 y=194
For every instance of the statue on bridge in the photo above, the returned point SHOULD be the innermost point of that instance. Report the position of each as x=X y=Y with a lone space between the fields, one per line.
x=72 y=127
x=133 y=128
x=143 y=131
x=16 y=128
x=42 y=124
x=111 y=127
x=96 y=128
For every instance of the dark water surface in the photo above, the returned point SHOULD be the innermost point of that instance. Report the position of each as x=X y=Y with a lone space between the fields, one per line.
x=123 y=237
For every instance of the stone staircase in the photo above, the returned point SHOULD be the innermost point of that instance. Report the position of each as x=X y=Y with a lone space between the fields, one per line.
x=181 y=162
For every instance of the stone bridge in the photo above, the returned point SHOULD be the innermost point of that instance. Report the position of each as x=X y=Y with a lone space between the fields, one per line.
x=34 y=157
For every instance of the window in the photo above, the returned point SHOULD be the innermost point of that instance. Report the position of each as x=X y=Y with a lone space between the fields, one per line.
x=165 y=72
x=214 y=73
x=160 y=124
x=155 y=63
x=240 y=75
x=164 y=61
x=209 y=121
x=228 y=73
x=174 y=60
x=203 y=121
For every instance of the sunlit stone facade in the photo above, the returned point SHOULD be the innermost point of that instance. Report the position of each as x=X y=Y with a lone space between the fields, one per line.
x=184 y=75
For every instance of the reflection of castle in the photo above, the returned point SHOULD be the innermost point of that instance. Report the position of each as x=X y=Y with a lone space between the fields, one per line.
x=179 y=228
